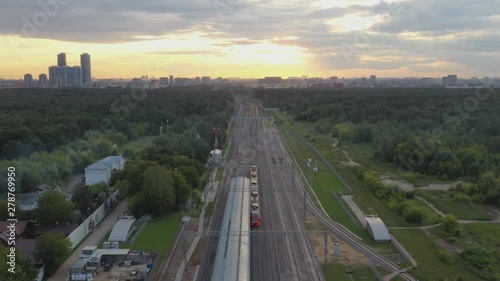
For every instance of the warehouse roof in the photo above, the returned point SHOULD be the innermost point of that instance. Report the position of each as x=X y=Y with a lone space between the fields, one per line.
x=120 y=230
x=377 y=229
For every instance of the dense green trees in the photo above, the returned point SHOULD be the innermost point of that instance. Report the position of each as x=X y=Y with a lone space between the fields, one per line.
x=430 y=131
x=44 y=119
x=53 y=207
x=161 y=191
x=24 y=270
x=52 y=250
x=51 y=133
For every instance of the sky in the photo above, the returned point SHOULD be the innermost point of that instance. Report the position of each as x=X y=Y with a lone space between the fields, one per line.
x=253 y=38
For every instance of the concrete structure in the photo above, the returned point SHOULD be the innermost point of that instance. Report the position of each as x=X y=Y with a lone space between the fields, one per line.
x=102 y=170
x=43 y=81
x=28 y=80
x=65 y=76
x=269 y=81
x=86 y=69
x=122 y=230
x=215 y=156
x=205 y=80
x=377 y=229
x=61 y=59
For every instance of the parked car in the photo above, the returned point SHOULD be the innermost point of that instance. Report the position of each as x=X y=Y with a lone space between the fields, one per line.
x=134 y=272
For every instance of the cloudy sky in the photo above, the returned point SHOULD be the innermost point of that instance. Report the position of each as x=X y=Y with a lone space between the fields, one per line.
x=253 y=38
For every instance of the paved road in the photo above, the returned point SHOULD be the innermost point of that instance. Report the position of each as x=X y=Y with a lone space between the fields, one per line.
x=92 y=240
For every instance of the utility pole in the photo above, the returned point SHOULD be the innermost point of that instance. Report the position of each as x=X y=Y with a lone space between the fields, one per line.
x=326 y=249
x=167 y=125
x=161 y=128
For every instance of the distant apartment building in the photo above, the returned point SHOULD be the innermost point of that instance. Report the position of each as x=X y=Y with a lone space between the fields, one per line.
x=444 y=81
x=449 y=81
x=334 y=79
x=205 y=80
x=171 y=80
x=61 y=59
x=86 y=69
x=28 y=80
x=373 y=79
x=452 y=80
x=163 y=81
x=65 y=76
x=42 y=81
x=269 y=81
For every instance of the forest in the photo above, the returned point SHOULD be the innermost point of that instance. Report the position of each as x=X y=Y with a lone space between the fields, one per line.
x=449 y=134
x=50 y=134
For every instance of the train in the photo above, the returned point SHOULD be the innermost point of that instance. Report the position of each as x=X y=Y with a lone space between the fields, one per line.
x=254 y=208
x=254 y=199
x=253 y=174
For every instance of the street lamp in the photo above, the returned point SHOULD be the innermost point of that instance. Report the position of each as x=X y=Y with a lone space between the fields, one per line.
x=311 y=170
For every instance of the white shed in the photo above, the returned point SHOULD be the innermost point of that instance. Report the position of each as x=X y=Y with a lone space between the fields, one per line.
x=377 y=229
x=101 y=170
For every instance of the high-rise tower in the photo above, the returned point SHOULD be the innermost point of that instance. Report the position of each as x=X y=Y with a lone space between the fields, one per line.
x=61 y=59
x=86 y=69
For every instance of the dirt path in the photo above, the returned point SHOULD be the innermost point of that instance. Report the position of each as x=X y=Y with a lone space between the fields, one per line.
x=349 y=162
x=407 y=186
x=75 y=180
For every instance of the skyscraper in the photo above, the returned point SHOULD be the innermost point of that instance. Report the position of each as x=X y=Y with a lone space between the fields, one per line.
x=42 y=80
x=171 y=80
x=61 y=59
x=28 y=80
x=65 y=76
x=86 y=69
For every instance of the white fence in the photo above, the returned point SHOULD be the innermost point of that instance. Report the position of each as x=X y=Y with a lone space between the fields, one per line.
x=86 y=227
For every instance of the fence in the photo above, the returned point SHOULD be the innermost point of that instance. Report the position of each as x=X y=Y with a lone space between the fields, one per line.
x=348 y=211
x=85 y=228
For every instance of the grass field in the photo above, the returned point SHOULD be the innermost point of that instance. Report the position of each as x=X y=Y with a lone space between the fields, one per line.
x=220 y=172
x=336 y=272
x=461 y=210
x=158 y=235
x=424 y=250
x=323 y=183
x=484 y=234
x=140 y=144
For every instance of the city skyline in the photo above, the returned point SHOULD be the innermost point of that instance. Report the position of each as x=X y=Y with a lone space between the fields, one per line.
x=254 y=39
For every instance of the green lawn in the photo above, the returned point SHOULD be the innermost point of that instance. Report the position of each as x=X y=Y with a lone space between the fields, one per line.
x=336 y=272
x=140 y=143
x=484 y=234
x=424 y=250
x=461 y=210
x=158 y=235
x=220 y=172
x=323 y=183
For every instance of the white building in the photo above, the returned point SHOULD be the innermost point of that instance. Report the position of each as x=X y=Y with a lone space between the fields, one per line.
x=102 y=170
x=377 y=229
x=215 y=156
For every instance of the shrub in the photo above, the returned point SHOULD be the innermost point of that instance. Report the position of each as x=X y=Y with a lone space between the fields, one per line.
x=445 y=256
x=479 y=257
x=414 y=215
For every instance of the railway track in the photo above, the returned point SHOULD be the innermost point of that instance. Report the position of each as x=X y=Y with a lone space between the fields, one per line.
x=166 y=266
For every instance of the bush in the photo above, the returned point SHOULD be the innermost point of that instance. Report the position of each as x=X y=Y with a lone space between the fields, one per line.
x=410 y=195
x=479 y=257
x=414 y=215
x=445 y=257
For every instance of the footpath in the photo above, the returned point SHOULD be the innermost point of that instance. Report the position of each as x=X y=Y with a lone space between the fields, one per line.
x=92 y=239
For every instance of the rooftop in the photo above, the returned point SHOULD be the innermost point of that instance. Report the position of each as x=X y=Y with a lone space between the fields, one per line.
x=120 y=230
x=378 y=228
